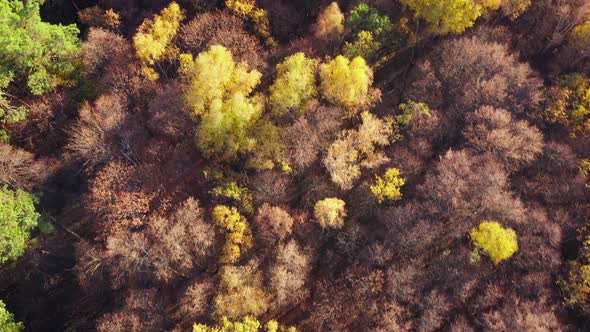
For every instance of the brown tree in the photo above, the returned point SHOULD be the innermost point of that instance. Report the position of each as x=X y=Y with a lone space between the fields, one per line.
x=473 y=72
x=141 y=311
x=273 y=223
x=289 y=273
x=101 y=48
x=94 y=136
x=514 y=142
x=19 y=169
x=222 y=28
x=471 y=188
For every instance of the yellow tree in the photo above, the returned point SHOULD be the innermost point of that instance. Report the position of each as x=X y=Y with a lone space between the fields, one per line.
x=330 y=213
x=295 y=85
x=153 y=40
x=218 y=90
x=239 y=235
x=346 y=82
x=214 y=77
x=447 y=16
x=389 y=186
x=247 y=324
x=497 y=242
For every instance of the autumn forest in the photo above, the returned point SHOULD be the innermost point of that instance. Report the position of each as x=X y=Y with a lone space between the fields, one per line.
x=294 y=165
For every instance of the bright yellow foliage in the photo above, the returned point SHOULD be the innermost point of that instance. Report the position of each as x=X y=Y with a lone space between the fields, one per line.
x=153 y=39
x=238 y=194
x=242 y=8
x=497 y=242
x=295 y=85
x=213 y=78
x=241 y=292
x=239 y=236
x=346 y=82
x=446 y=16
x=330 y=212
x=226 y=131
x=330 y=22
x=218 y=89
x=389 y=186
x=248 y=324
x=455 y=16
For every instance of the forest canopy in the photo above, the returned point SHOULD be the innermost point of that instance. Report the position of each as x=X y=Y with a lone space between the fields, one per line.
x=283 y=166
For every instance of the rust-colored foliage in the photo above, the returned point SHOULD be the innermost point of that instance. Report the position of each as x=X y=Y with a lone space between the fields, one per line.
x=472 y=72
x=94 y=137
x=222 y=28
x=19 y=169
x=272 y=223
x=514 y=142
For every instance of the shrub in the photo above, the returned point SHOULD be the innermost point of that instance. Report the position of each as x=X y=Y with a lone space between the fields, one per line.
x=247 y=8
x=576 y=283
x=364 y=46
x=236 y=193
x=248 y=324
x=96 y=17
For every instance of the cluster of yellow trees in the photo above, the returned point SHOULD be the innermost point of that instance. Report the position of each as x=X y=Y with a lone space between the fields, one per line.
x=248 y=324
